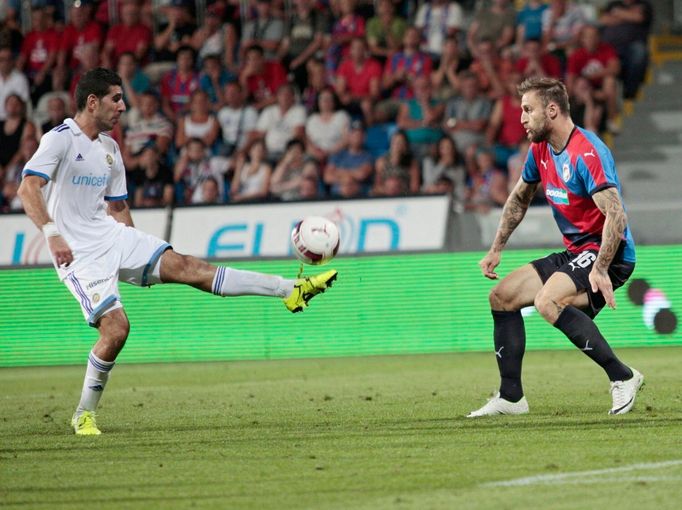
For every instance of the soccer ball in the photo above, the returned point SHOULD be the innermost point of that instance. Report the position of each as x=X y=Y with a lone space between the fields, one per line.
x=315 y=240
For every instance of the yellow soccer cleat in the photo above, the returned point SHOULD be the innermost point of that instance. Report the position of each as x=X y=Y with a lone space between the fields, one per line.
x=84 y=424
x=307 y=288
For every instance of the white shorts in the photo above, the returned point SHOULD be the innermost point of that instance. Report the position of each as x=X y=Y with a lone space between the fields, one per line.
x=134 y=259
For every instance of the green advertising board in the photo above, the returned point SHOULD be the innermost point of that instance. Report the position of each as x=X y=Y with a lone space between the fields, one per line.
x=391 y=304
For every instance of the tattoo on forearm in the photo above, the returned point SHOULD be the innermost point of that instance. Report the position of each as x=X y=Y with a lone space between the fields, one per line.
x=610 y=205
x=514 y=210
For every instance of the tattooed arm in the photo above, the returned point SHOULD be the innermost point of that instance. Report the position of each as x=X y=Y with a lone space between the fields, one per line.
x=609 y=203
x=514 y=210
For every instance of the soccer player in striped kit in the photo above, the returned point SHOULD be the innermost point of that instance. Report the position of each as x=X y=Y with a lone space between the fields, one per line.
x=74 y=190
x=578 y=174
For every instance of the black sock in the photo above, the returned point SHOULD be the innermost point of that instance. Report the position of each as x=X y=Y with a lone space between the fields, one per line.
x=510 y=345
x=585 y=335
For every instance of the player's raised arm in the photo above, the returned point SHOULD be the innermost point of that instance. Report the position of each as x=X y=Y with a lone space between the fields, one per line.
x=609 y=203
x=34 y=206
x=514 y=210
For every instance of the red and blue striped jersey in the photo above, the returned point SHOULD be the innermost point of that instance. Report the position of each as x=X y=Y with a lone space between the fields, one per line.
x=570 y=178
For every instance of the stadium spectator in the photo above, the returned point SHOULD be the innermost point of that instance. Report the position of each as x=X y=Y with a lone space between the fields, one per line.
x=128 y=35
x=467 y=115
x=237 y=121
x=56 y=112
x=378 y=132
x=305 y=34
x=191 y=168
x=404 y=66
x=210 y=192
x=358 y=80
x=261 y=78
x=213 y=79
x=12 y=81
x=89 y=59
x=155 y=180
x=81 y=30
x=135 y=81
x=281 y=122
x=437 y=20
x=491 y=69
x=10 y=31
x=349 y=172
x=598 y=62
x=445 y=78
x=396 y=173
x=327 y=128
x=487 y=185
x=385 y=31
x=317 y=81
x=309 y=188
x=347 y=27
x=177 y=85
x=291 y=170
x=505 y=131
x=561 y=24
x=495 y=23
x=176 y=31
x=251 y=180
x=529 y=21
x=420 y=118
x=145 y=126
x=13 y=130
x=625 y=25
x=38 y=54
x=586 y=112
x=10 y=176
x=266 y=30
x=536 y=63
x=444 y=173
x=198 y=122
x=215 y=37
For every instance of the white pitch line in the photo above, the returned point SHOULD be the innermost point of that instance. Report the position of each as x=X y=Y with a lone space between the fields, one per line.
x=569 y=477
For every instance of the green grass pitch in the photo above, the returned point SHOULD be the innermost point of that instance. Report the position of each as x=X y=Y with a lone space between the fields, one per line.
x=346 y=433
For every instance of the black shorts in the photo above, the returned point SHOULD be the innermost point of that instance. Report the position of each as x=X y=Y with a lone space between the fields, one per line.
x=578 y=267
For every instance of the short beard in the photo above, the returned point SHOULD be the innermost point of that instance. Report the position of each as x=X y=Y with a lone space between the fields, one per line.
x=542 y=135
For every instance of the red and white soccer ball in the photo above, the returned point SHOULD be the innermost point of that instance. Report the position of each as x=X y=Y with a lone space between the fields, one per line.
x=315 y=240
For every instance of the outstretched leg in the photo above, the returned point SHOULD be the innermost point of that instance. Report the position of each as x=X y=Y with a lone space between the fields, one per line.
x=226 y=281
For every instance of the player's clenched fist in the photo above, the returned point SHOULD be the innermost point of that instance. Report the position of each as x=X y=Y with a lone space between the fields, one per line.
x=489 y=263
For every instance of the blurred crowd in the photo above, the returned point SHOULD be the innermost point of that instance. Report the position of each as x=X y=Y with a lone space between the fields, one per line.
x=254 y=100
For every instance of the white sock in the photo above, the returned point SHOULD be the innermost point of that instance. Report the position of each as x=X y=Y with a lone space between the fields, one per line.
x=235 y=282
x=96 y=376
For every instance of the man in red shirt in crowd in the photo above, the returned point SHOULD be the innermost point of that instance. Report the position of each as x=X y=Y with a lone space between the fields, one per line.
x=358 y=79
x=81 y=31
x=39 y=53
x=129 y=35
x=261 y=78
x=536 y=63
x=598 y=62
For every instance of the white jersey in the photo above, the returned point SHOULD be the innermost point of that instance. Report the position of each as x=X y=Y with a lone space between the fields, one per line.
x=82 y=174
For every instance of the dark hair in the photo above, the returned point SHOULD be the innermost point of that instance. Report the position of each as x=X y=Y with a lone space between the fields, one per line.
x=185 y=48
x=549 y=90
x=335 y=99
x=295 y=141
x=406 y=157
x=97 y=81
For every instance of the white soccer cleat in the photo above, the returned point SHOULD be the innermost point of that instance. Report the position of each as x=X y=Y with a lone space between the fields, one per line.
x=624 y=393
x=498 y=405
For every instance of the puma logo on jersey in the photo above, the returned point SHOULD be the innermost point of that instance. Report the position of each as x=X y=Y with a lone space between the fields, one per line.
x=591 y=153
x=543 y=163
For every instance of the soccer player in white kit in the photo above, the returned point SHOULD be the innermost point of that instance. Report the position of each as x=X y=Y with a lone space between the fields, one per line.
x=74 y=190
